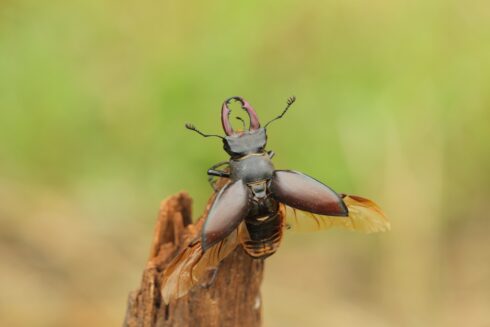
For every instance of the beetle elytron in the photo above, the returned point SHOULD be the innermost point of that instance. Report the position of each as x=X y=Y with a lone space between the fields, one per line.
x=255 y=202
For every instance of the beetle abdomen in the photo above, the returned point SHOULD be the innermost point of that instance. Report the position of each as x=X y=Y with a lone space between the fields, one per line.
x=263 y=236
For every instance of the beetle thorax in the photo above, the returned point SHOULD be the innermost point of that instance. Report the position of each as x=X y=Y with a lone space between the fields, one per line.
x=246 y=143
x=252 y=168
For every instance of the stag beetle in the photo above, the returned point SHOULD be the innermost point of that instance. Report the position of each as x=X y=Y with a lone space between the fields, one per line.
x=257 y=202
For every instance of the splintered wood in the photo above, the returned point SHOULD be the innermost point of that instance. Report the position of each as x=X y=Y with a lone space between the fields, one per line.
x=232 y=299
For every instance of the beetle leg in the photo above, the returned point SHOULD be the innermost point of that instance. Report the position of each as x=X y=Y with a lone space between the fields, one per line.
x=219 y=173
x=219 y=164
x=271 y=154
x=213 y=173
x=212 y=279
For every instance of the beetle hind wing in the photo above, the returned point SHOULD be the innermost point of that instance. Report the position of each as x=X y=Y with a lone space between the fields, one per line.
x=190 y=267
x=364 y=216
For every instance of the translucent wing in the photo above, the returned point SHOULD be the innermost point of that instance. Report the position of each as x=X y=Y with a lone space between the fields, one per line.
x=192 y=265
x=364 y=216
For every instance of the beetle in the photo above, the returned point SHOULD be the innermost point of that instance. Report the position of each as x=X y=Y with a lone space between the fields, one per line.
x=254 y=202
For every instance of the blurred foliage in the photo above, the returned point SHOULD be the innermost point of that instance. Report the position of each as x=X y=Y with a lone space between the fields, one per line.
x=393 y=104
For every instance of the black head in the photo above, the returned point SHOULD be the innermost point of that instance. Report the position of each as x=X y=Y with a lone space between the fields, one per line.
x=241 y=143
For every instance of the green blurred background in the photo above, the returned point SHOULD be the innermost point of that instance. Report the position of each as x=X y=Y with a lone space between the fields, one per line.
x=393 y=103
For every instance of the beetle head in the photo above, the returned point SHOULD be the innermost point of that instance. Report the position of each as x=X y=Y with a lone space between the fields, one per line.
x=249 y=141
x=240 y=143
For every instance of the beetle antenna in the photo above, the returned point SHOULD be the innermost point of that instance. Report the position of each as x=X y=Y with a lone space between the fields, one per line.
x=243 y=121
x=193 y=128
x=289 y=103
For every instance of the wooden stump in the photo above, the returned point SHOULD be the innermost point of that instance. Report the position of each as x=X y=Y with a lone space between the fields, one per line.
x=233 y=299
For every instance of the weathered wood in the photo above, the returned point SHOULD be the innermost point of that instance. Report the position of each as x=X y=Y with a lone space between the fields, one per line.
x=233 y=299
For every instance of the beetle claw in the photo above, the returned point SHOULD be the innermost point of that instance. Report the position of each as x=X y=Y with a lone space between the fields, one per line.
x=210 y=282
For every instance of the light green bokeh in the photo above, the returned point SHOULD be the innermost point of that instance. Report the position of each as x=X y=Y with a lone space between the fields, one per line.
x=393 y=102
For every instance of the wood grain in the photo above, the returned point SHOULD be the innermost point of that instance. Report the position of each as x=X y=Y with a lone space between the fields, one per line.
x=233 y=299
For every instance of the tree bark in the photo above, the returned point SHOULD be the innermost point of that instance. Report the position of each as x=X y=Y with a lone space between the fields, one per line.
x=232 y=299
